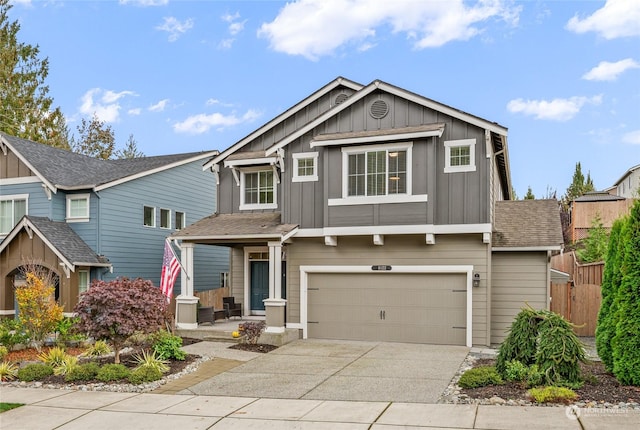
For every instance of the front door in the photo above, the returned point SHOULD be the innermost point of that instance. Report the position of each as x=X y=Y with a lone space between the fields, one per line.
x=259 y=284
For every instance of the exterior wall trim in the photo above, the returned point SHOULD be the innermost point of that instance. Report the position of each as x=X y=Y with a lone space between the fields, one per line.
x=396 y=229
x=20 y=180
x=306 y=270
x=528 y=248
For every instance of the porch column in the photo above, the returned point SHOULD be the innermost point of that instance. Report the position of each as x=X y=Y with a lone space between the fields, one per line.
x=275 y=306
x=186 y=302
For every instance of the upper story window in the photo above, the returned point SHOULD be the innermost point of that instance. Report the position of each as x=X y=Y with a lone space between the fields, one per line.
x=149 y=216
x=305 y=167
x=77 y=207
x=12 y=209
x=181 y=220
x=165 y=218
x=460 y=155
x=377 y=171
x=257 y=190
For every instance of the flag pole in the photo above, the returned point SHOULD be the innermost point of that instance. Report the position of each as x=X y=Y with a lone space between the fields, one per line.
x=168 y=241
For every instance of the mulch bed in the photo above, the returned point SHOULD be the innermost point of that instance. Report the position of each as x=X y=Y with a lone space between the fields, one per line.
x=600 y=387
x=254 y=347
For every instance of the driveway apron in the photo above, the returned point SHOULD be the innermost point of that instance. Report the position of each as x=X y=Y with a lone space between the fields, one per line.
x=342 y=370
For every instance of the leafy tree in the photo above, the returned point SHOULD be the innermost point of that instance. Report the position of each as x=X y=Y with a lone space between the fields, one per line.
x=626 y=342
x=25 y=106
x=130 y=151
x=529 y=195
x=39 y=313
x=611 y=279
x=96 y=139
x=596 y=242
x=115 y=310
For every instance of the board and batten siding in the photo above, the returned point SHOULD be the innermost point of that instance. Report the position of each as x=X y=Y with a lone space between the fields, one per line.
x=519 y=279
x=409 y=250
x=136 y=250
x=12 y=167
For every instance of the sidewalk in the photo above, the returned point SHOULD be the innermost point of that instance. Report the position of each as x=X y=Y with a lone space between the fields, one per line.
x=77 y=410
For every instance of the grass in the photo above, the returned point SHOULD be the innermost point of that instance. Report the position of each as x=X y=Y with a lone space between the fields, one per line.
x=8 y=406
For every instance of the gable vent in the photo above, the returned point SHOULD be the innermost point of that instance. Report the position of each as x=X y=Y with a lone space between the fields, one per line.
x=379 y=109
x=341 y=97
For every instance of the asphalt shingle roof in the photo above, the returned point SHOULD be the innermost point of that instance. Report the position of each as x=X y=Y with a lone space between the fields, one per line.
x=598 y=196
x=221 y=226
x=527 y=223
x=66 y=169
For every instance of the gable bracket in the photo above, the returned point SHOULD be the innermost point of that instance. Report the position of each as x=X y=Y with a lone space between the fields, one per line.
x=3 y=146
x=29 y=231
x=67 y=270
x=280 y=155
x=47 y=191
x=234 y=171
x=215 y=169
x=275 y=173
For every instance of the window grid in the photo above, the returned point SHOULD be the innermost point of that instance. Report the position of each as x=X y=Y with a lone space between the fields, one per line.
x=258 y=187
x=460 y=156
x=377 y=173
x=306 y=166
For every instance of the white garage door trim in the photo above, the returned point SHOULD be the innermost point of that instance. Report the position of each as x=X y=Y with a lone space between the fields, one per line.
x=306 y=270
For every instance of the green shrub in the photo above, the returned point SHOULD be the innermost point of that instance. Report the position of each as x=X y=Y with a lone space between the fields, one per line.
x=113 y=372
x=68 y=364
x=35 y=372
x=150 y=360
x=144 y=374
x=54 y=357
x=82 y=372
x=534 y=376
x=167 y=346
x=479 y=377
x=12 y=333
x=3 y=351
x=552 y=395
x=516 y=371
x=99 y=347
x=8 y=370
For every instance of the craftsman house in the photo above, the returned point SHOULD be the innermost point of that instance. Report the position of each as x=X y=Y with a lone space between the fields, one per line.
x=369 y=212
x=87 y=219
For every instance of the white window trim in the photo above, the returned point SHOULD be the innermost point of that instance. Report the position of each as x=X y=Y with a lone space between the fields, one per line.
x=448 y=144
x=153 y=219
x=14 y=197
x=308 y=178
x=83 y=218
x=184 y=220
x=252 y=206
x=389 y=198
x=168 y=210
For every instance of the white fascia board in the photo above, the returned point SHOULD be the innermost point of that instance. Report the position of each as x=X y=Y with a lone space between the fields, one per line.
x=44 y=180
x=21 y=180
x=527 y=248
x=78 y=263
x=228 y=237
x=394 y=229
x=471 y=119
x=250 y=161
x=288 y=113
x=156 y=170
x=372 y=139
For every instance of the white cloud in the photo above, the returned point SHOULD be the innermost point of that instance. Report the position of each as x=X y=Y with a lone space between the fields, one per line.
x=201 y=123
x=236 y=27
x=633 y=137
x=134 y=111
x=159 y=107
x=174 y=27
x=555 y=110
x=145 y=3
x=230 y=18
x=606 y=71
x=103 y=103
x=617 y=18
x=226 y=43
x=313 y=28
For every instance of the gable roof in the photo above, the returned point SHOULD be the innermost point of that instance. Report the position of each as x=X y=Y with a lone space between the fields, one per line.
x=527 y=225
x=66 y=170
x=627 y=173
x=598 y=196
x=61 y=239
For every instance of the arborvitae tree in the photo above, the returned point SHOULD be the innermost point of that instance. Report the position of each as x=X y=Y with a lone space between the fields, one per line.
x=96 y=139
x=529 y=195
x=25 y=107
x=606 y=326
x=596 y=242
x=130 y=151
x=579 y=186
x=626 y=342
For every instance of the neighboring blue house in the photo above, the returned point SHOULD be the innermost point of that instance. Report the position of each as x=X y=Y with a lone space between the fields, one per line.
x=87 y=219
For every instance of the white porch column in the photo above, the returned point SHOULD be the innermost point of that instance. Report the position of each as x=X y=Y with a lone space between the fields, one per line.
x=275 y=305
x=186 y=302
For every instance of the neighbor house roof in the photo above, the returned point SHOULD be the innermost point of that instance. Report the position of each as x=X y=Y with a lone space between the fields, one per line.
x=527 y=225
x=627 y=173
x=237 y=226
x=61 y=239
x=598 y=196
x=63 y=169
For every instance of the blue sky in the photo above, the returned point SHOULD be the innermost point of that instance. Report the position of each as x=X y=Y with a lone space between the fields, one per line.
x=563 y=76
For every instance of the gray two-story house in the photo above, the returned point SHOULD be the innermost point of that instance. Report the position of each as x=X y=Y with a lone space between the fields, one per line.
x=87 y=219
x=368 y=212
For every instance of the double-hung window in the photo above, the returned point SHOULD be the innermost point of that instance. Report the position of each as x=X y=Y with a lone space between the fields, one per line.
x=12 y=208
x=77 y=207
x=258 y=190
x=377 y=171
x=459 y=155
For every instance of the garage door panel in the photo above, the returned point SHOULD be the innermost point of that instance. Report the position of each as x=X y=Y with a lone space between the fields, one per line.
x=415 y=307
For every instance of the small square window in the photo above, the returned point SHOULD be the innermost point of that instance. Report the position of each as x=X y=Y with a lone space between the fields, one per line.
x=459 y=156
x=149 y=219
x=165 y=218
x=305 y=167
x=180 y=220
x=77 y=207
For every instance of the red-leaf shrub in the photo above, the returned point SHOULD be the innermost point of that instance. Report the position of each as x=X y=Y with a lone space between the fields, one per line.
x=115 y=310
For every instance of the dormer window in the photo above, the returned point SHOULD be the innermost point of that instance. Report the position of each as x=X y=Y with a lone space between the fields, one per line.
x=77 y=207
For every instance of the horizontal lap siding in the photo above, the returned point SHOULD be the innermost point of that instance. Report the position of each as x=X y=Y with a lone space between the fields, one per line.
x=519 y=279
x=409 y=250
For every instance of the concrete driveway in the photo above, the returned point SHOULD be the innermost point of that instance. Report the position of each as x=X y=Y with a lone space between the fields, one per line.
x=342 y=370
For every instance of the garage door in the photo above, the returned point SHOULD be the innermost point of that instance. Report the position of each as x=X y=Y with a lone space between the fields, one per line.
x=408 y=307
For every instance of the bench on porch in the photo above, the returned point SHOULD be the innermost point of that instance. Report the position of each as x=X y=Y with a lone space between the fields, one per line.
x=209 y=314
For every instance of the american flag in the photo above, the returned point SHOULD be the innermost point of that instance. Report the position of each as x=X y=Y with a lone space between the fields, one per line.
x=170 y=271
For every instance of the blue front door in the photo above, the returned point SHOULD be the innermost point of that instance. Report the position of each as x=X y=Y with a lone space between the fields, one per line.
x=259 y=284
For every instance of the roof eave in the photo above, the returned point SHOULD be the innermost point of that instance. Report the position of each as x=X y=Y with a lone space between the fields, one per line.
x=527 y=248
x=17 y=153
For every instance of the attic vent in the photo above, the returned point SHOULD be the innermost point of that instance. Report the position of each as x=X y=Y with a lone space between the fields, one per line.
x=379 y=109
x=341 y=97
